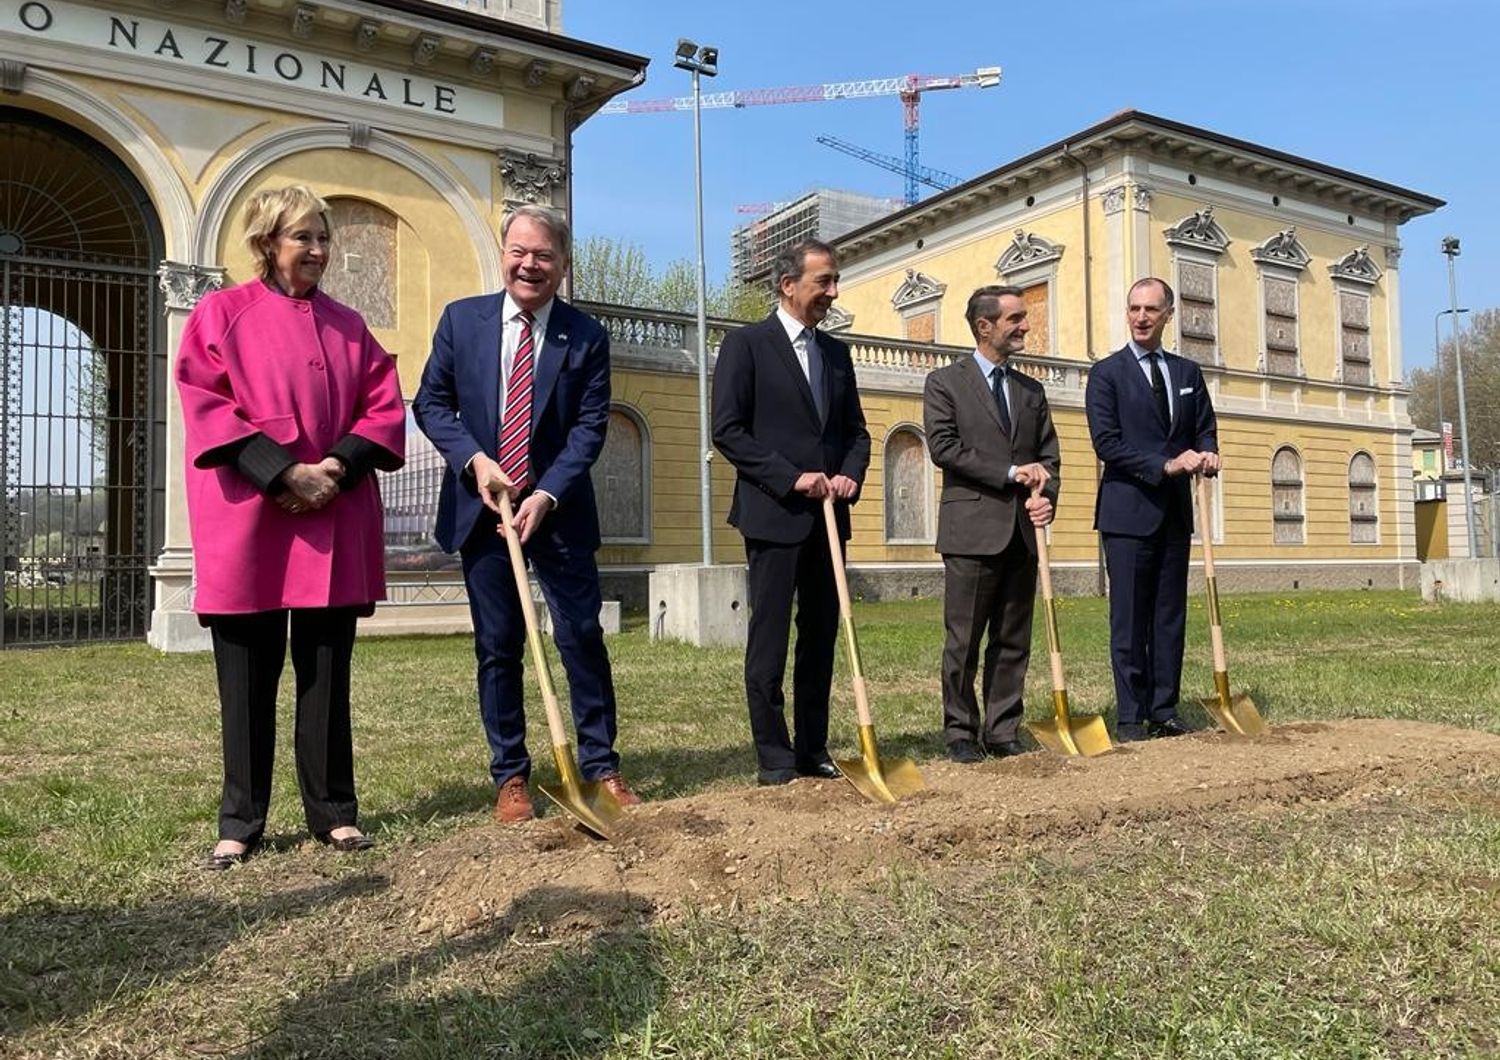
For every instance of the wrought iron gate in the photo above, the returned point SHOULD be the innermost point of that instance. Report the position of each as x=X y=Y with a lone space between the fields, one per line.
x=81 y=376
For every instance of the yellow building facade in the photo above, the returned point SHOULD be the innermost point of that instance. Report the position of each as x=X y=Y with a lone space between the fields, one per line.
x=132 y=133
x=1288 y=293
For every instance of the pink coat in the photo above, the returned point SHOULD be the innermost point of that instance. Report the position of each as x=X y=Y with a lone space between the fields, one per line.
x=305 y=372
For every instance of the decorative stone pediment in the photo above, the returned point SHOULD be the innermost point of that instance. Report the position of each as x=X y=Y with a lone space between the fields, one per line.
x=1026 y=250
x=917 y=287
x=1199 y=231
x=838 y=319
x=1356 y=266
x=1284 y=249
x=529 y=179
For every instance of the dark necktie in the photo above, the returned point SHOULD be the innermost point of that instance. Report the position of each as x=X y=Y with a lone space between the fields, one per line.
x=815 y=373
x=997 y=383
x=1159 y=388
x=515 y=421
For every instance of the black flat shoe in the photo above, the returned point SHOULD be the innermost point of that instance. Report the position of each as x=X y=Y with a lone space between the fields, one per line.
x=213 y=862
x=1006 y=748
x=824 y=770
x=768 y=778
x=349 y=844
x=1169 y=727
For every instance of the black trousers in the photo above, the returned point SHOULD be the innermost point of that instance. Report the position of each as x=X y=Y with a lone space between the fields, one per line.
x=778 y=573
x=993 y=596
x=249 y=653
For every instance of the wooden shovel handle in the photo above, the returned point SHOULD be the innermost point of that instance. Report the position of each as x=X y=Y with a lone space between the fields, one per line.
x=1211 y=583
x=846 y=613
x=1049 y=606
x=533 y=630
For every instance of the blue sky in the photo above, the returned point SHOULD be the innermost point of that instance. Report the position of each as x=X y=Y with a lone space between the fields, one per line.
x=1404 y=92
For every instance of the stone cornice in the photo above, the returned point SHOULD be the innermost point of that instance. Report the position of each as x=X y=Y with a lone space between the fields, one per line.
x=1145 y=135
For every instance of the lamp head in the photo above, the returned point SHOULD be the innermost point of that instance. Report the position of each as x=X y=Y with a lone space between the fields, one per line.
x=708 y=60
x=682 y=58
x=1450 y=246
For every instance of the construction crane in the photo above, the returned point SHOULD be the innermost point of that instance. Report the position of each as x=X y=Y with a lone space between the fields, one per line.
x=759 y=207
x=933 y=178
x=908 y=88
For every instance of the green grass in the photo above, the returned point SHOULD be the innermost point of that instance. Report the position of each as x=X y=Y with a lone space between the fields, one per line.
x=1318 y=932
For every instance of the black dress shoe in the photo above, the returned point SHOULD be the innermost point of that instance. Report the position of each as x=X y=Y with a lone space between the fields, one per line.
x=1006 y=748
x=1130 y=732
x=1169 y=727
x=824 y=770
x=965 y=752
x=348 y=844
x=767 y=778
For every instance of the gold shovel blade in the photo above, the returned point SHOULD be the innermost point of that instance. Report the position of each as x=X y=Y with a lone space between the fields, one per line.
x=877 y=779
x=1082 y=734
x=1235 y=713
x=588 y=802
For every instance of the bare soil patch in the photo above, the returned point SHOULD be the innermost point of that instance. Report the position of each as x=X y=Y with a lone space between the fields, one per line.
x=737 y=848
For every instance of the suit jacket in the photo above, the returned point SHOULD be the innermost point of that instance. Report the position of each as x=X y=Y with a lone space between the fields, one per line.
x=980 y=508
x=457 y=407
x=766 y=425
x=1136 y=497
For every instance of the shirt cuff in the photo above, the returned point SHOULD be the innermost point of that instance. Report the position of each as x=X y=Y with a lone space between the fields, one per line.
x=1011 y=474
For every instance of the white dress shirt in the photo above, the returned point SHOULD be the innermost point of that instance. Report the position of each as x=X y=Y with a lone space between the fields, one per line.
x=1166 y=376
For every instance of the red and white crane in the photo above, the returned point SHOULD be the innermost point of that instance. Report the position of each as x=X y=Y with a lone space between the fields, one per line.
x=908 y=88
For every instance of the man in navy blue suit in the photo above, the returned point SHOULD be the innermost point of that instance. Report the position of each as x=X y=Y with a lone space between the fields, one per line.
x=516 y=398
x=1153 y=428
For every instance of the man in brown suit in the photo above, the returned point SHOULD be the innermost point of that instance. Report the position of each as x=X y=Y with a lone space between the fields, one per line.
x=989 y=429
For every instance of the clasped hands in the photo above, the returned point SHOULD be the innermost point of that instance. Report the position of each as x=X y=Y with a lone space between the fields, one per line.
x=1193 y=462
x=817 y=485
x=493 y=483
x=310 y=486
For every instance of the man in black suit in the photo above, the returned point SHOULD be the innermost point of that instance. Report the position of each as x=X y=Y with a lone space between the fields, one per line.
x=516 y=397
x=786 y=414
x=990 y=430
x=1153 y=427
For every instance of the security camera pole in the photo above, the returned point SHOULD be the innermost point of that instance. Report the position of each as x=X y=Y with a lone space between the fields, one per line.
x=1450 y=248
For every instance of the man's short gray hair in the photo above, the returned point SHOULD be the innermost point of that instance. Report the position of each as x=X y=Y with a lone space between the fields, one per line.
x=792 y=262
x=550 y=219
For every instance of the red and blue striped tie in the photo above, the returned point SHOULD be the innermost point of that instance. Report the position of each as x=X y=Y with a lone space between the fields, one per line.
x=515 y=423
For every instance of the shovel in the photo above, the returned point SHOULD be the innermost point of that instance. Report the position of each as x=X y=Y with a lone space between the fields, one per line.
x=1234 y=713
x=589 y=802
x=1064 y=733
x=876 y=780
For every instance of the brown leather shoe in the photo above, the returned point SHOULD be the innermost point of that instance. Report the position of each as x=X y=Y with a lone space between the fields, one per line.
x=615 y=784
x=514 y=802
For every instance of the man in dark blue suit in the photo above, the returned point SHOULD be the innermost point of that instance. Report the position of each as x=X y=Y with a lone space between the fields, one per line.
x=1153 y=428
x=786 y=414
x=516 y=398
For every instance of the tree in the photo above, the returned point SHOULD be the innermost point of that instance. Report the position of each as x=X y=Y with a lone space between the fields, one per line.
x=1481 y=351
x=617 y=272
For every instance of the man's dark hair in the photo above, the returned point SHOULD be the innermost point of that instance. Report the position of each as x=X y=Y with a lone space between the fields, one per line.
x=984 y=304
x=791 y=262
x=1165 y=286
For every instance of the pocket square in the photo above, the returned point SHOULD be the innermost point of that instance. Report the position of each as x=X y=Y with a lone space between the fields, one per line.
x=1184 y=391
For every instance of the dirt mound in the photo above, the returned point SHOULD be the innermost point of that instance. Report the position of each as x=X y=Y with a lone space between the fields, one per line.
x=728 y=848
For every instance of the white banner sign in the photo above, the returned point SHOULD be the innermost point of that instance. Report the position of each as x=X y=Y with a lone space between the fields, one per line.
x=184 y=45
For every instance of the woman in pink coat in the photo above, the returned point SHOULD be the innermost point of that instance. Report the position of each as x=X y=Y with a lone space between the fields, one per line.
x=289 y=405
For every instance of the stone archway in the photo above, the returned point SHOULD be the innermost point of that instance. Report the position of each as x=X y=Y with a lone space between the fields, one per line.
x=82 y=372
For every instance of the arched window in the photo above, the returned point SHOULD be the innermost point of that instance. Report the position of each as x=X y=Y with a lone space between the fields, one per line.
x=1364 y=515
x=1286 y=497
x=362 y=270
x=908 y=488
x=622 y=477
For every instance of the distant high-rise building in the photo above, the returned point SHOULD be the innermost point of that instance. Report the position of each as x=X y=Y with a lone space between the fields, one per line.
x=822 y=214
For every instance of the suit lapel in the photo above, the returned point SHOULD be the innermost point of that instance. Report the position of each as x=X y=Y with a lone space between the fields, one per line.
x=488 y=327
x=788 y=357
x=974 y=379
x=550 y=358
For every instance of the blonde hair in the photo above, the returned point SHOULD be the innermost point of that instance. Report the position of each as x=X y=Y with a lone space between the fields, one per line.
x=268 y=212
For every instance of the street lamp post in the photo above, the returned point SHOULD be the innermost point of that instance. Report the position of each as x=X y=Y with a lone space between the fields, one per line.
x=1450 y=248
x=1437 y=358
x=701 y=61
